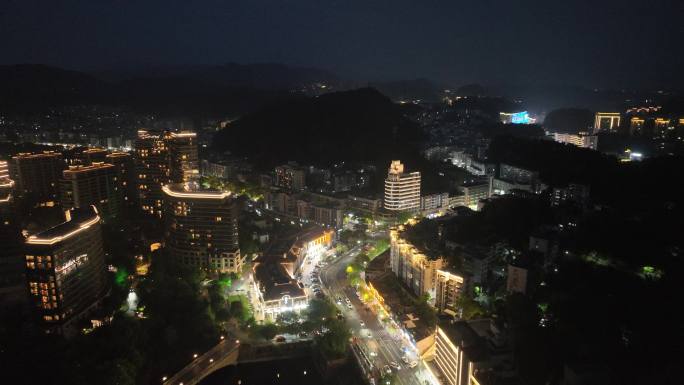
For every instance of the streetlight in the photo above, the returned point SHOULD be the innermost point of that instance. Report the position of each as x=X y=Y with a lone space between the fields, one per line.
x=164 y=378
x=194 y=355
x=222 y=337
x=237 y=341
x=211 y=360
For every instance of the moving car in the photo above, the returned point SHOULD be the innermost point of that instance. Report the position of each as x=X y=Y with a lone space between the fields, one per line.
x=363 y=324
x=413 y=364
x=395 y=366
x=387 y=369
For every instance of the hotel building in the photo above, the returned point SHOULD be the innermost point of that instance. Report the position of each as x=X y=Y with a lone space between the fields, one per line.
x=402 y=190
x=37 y=176
x=65 y=270
x=201 y=227
x=96 y=184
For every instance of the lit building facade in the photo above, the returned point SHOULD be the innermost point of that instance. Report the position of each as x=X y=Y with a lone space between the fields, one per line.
x=201 y=227
x=412 y=266
x=91 y=155
x=402 y=190
x=582 y=139
x=125 y=177
x=458 y=350
x=65 y=270
x=606 y=121
x=12 y=283
x=276 y=291
x=309 y=244
x=37 y=176
x=161 y=158
x=434 y=203
x=290 y=177
x=448 y=287
x=183 y=158
x=473 y=192
x=151 y=169
x=522 y=117
x=93 y=185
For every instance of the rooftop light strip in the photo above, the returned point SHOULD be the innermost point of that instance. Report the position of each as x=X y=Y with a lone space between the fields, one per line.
x=35 y=240
x=196 y=195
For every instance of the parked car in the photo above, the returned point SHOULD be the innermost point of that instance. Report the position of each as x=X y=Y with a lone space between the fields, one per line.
x=363 y=324
x=387 y=369
x=280 y=339
x=413 y=364
x=395 y=366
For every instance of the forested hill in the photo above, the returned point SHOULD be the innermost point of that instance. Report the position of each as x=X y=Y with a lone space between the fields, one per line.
x=353 y=125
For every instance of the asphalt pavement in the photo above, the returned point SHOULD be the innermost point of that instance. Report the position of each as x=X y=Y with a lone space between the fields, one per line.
x=373 y=337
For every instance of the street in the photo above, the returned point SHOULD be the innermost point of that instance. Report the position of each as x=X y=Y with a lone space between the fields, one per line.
x=371 y=335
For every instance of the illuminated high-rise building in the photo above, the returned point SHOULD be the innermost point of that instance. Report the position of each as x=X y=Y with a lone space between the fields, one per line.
x=4 y=170
x=183 y=158
x=91 y=155
x=201 y=227
x=125 y=177
x=163 y=157
x=65 y=270
x=12 y=284
x=402 y=190
x=37 y=176
x=151 y=169
x=93 y=185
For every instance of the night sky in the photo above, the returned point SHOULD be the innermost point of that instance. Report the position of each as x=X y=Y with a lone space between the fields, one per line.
x=627 y=43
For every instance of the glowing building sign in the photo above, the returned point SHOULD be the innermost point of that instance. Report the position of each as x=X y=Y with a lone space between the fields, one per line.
x=520 y=118
x=71 y=265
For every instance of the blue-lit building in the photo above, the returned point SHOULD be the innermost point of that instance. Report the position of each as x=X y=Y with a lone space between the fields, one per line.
x=522 y=117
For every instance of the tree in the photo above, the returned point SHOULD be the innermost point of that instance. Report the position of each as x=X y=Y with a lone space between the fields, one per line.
x=469 y=307
x=426 y=312
x=320 y=310
x=237 y=310
x=267 y=331
x=333 y=344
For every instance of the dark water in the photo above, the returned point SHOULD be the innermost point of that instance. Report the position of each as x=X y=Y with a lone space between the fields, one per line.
x=291 y=372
